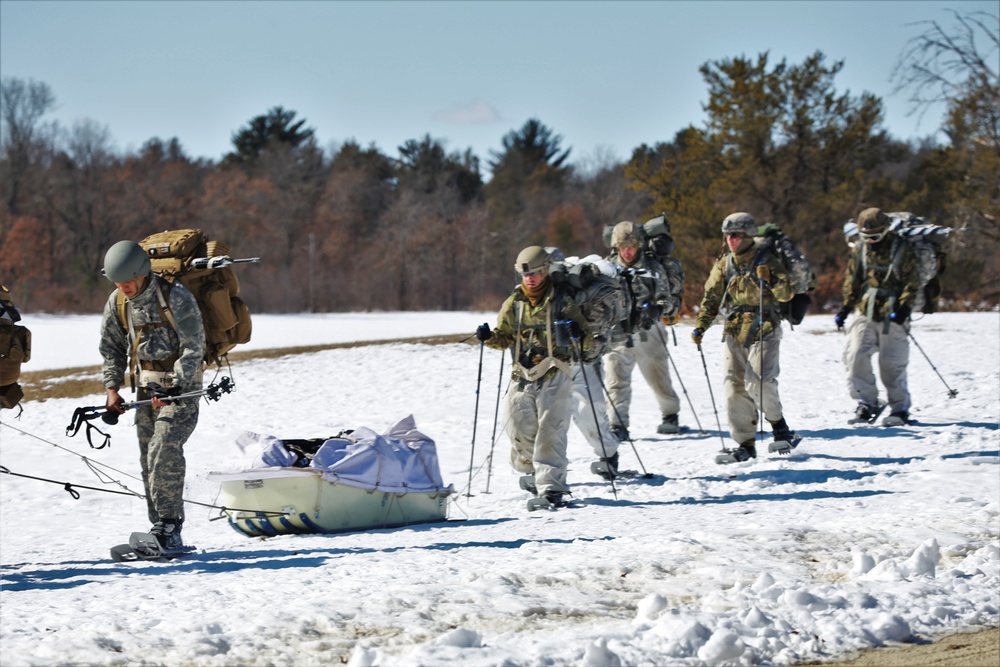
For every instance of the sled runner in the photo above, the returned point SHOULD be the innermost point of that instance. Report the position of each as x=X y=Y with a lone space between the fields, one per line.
x=357 y=480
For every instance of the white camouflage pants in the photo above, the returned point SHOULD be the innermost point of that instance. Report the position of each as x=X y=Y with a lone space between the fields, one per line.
x=864 y=339
x=537 y=423
x=597 y=433
x=743 y=387
x=651 y=357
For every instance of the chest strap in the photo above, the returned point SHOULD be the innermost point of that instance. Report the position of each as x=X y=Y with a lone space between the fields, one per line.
x=539 y=370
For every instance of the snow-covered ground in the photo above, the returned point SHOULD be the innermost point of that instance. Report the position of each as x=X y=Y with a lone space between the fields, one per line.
x=862 y=537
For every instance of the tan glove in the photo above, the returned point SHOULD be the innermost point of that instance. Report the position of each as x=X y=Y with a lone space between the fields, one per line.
x=764 y=273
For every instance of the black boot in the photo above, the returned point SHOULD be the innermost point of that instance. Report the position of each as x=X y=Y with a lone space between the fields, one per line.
x=669 y=425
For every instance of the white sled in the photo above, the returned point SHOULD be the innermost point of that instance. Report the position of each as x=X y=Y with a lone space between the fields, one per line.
x=352 y=482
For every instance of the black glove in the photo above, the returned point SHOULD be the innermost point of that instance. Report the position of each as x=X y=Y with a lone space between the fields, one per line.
x=841 y=316
x=900 y=315
x=575 y=332
x=483 y=333
x=649 y=315
x=696 y=336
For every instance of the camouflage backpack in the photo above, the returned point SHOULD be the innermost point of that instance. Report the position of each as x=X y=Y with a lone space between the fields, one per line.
x=15 y=349
x=204 y=268
x=928 y=242
x=601 y=293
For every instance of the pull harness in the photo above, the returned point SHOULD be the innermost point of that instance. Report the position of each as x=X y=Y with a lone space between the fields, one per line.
x=538 y=371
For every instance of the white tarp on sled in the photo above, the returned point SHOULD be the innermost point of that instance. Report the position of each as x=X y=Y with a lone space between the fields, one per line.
x=362 y=480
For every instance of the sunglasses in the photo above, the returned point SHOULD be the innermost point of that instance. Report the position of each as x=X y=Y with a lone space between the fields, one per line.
x=735 y=235
x=532 y=274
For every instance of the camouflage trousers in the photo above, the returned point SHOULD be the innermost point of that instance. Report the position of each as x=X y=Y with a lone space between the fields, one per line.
x=162 y=434
x=538 y=423
x=864 y=339
x=588 y=401
x=748 y=380
x=649 y=353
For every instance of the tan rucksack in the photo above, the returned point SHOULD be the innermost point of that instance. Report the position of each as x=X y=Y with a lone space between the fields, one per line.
x=204 y=268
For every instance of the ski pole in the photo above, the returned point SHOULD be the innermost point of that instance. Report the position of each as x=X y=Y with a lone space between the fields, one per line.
x=711 y=395
x=496 y=415
x=83 y=416
x=760 y=363
x=611 y=402
x=670 y=358
x=952 y=393
x=593 y=410
x=475 y=419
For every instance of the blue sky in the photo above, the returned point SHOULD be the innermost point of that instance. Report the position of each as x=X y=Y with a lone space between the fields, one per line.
x=606 y=76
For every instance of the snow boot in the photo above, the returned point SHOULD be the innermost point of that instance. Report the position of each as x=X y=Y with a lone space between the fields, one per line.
x=900 y=418
x=527 y=482
x=866 y=414
x=606 y=467
x=168 y=533
x=785 y=439
x=620 y=432
x=744 y=452
x=669 y=425
x=549 y=501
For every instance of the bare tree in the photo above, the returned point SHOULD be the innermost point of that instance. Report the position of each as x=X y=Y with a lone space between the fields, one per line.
x=956 y=66
x=22 y=105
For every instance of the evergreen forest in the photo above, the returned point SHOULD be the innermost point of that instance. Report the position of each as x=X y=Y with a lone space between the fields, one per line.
x=350 y=228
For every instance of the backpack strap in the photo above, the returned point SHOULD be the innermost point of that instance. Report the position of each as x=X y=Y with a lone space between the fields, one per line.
x=538 y=371
x=125 y=318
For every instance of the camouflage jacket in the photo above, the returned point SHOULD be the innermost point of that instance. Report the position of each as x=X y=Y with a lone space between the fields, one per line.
x=881 y=277
x=733 y=283
x=526 y=329
x=159 y=344
x=651 y=283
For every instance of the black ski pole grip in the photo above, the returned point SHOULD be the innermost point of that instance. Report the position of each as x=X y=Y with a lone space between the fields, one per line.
x=110 y=417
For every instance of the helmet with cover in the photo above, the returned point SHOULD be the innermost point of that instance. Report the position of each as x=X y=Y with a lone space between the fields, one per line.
x=873 y=224
x=531 y=259
x=739 y=223
x=627 y=234
x=125 y=261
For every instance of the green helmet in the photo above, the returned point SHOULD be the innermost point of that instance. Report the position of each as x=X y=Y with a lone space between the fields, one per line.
x=739 y=223
x=124 y=261
x=627 y=234
x=532 y=258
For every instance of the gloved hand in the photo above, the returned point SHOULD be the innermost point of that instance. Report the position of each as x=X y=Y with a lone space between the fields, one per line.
x=900 y=315
x=671 y=320
x=841 y=316
x=764 y=273
x=648 y=316
x=696 y=336
x=483 y=333
x=575 y=332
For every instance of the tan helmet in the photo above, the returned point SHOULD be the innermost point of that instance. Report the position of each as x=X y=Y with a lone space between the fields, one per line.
x=739 y=222
x=533 y=258
x=627 y=234
x=873 y=224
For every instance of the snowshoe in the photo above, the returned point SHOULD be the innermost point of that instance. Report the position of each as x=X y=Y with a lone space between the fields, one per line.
x=527 y=482
x=896 y=419
x=744 y=452
x=146 y=546
x=620 y=432
x=669 y=426
x=606 y=467
x=550 y=501
x=786 y=444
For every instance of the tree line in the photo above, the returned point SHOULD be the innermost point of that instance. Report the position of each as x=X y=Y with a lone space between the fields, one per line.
x=351 y=228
